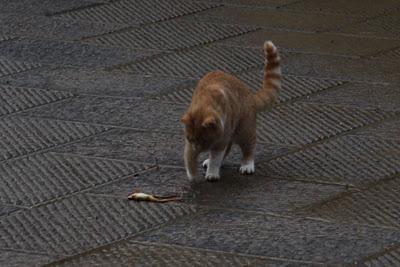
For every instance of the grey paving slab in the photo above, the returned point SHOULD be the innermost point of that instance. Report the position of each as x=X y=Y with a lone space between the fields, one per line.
x=14 y=99
x=82 y=222
x=362 y=8
x=137 y=12
x=342 y=68
x=171 y=35
x=199 y=61
x=21 y=136
x=385 y=130
x=55 y=28
x=131 y=253
x=289 y=238
x=8 y=66
x=96 y=82
x=161 y=181
x=40 y=7
x=7 y=210
x=153 y=147
x=38 y=179
x=377 y=205
x=385 y=258
x=135 y=113
x=385 y=26
x=252 y=3
x=352 y=160
x=67 y=53
x=260 y=193
x=316 y=43
x=362 y=95
x=14 y=259
x=292 y=87
x=300 y=123
x=275 y=18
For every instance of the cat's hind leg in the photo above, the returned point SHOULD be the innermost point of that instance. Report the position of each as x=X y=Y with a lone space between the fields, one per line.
x=247 y=143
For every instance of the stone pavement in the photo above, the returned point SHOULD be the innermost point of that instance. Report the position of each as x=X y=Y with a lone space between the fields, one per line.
x=91 y=92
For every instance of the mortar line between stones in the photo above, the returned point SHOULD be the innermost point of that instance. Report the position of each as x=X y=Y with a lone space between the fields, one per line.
x=85 y=191
x=53 y=147
x=109 y=244
x=380 y=253
x=32 y=252
x=334 y=137
x=36 y=106
x=223 y=252
x=140 y=25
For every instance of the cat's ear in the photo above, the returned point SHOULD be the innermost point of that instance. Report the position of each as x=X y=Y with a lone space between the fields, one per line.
x=210 y=122
x=185 y=119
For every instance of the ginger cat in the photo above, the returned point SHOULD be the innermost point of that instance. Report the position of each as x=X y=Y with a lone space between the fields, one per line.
x=222 y=112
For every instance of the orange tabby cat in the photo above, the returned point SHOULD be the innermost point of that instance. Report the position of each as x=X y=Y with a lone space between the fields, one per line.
x=223 y=111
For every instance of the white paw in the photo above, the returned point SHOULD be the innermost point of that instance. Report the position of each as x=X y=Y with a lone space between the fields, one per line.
x=247 y=168
x=206 y=163
x=212 y=177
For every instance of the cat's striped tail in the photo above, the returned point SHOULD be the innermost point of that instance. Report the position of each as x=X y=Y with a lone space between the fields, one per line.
x=268 y=94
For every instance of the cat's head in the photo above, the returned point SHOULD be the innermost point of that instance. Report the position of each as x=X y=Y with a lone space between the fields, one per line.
x=203 y=129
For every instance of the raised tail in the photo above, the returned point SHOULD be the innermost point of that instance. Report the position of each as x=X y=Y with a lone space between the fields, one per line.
x=268 y=94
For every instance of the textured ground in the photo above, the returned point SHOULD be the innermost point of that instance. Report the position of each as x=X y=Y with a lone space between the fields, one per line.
x=91 y=93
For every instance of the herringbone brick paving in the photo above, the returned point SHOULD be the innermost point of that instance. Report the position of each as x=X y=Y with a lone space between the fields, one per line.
x=91 y=93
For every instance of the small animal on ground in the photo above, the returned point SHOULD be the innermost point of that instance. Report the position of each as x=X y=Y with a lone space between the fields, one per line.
x=223 y=112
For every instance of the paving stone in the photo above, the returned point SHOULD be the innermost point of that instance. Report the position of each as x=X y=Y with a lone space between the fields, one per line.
x=56 y=28
x=388 y=258
x=391 y=55
x=315 y=43
x=43 y=7
x=130 y=253
x=41 y=178
x=252 y=3
x=301 y=123
x=377 y=205
x=199 y=61
x=137 y=12
x=171 y=35
x=292 y=87
x=260 y=193
x=341 y=68
x=278 y=237
x=67 y=53
x=153 y=147
x=7 y=210
x=275 y=18
x=347 y=160
x=83 y=222
x=136 y=113
x=21 y=136
x=161 y=181
x=16 y=259
x=385 y=130
x=8 y=67
x=362 y=95
x=387 y=26
x=14 y=99
x=96 y=82
x=354 y=8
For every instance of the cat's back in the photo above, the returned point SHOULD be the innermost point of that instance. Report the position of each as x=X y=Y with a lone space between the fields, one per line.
x=219 y=80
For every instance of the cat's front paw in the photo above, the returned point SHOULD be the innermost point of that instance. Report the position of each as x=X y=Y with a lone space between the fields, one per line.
x=247 y=168
x=212 y=177
x=206 y=163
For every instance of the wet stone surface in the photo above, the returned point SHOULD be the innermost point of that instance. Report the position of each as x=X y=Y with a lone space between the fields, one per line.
x=258 y=234
x=91 y=96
